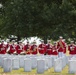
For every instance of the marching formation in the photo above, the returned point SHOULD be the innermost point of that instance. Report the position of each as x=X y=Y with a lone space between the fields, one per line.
x=56 y=49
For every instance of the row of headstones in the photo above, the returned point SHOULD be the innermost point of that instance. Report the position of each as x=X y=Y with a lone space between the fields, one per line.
x=29 y=62
x=60 y=63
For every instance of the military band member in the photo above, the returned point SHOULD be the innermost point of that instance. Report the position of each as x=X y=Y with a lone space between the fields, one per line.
x=72 y=49
x=2 y=47
x=61 y=46
x=65 y=48
x=12 y=48
x=34 y=48
x=55 y=50
x=42 y=48
x=26 y=48
x=49 y=48
x=19 y=48
x=8 y=44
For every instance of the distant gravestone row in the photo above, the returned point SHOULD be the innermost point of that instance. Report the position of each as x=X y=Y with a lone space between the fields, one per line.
x=39 y=62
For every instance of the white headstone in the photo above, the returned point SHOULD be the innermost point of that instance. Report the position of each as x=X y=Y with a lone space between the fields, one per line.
x=28 y=56
x=58 y=65
x=7 y=65
x=53 y=58
x=15 y=63
x=46 y=63
x=21 y=61
x=67 y=60
x=64 y=62
x=40 y=66
x=73 y=58
x=27 y=65
x=72 y=66
x=33 y=62
x=0 y=61
x=49 y=62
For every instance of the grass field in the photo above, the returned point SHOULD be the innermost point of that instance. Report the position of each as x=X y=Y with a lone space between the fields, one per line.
x=34 y=72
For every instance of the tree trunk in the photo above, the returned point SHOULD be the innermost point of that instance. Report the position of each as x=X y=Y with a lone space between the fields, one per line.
x=18 y=38
x=45 y=39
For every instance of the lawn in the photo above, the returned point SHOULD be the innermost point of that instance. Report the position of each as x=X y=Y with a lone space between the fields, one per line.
x=33 y=72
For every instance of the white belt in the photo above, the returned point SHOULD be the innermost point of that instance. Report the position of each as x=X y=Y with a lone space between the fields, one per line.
x=49 y=49
x=20 y=49
x=2 y=49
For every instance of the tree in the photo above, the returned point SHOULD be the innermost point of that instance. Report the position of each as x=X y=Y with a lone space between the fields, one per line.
x=45 y=19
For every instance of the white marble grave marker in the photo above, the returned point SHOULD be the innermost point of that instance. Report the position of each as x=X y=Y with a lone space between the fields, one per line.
x=27 y=65
x=15 y=63
x=7 y=65
x=34 y=62
x=58 y=65
x=21 y=61
x=72 y=66
x=40 y=66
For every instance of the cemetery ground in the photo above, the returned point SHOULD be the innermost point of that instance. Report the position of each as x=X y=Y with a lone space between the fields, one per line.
x=34 y=72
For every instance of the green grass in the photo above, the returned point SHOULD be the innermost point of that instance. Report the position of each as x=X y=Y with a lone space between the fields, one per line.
x=34 y=72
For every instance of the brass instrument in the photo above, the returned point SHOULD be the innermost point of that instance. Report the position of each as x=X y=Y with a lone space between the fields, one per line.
x=28 y=50
x=72 y=48
x=34 y=49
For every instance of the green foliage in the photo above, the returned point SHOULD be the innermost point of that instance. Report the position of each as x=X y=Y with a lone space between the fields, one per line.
x=45 y=19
